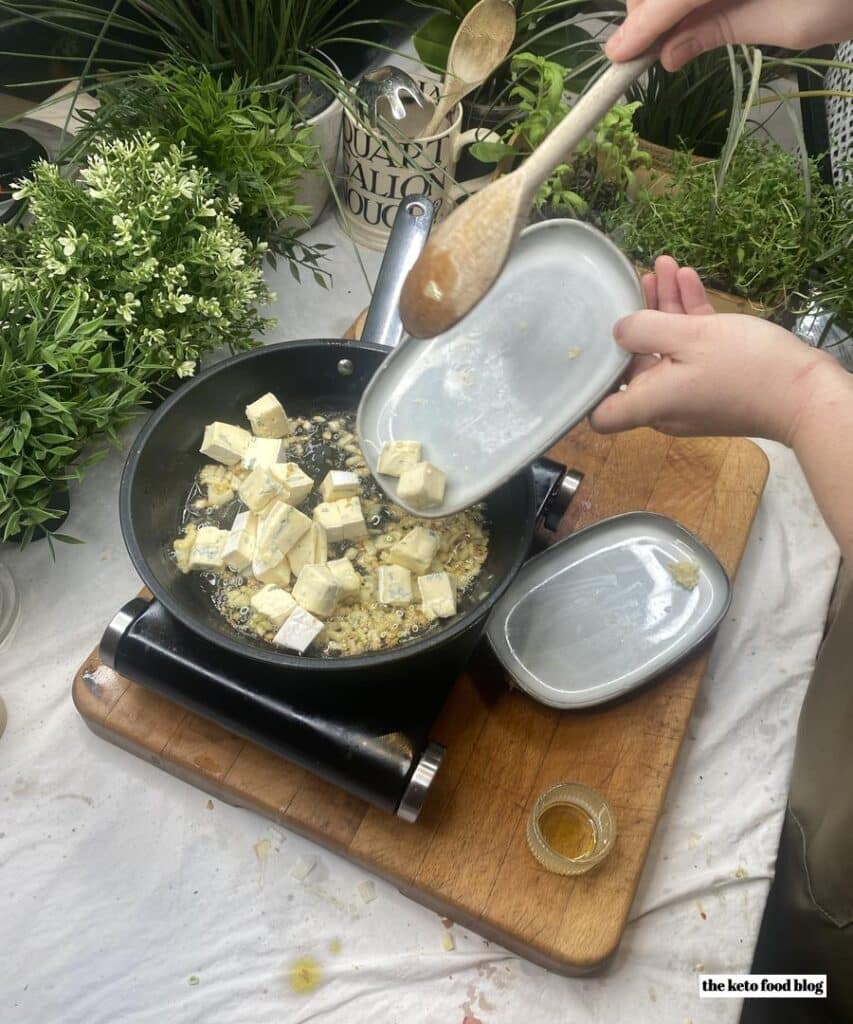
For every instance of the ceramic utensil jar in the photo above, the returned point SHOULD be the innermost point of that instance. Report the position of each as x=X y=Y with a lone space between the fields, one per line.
x=379 y=172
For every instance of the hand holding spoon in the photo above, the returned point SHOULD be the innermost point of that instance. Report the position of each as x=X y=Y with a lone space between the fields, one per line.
x=467 y=252
x=481 y=44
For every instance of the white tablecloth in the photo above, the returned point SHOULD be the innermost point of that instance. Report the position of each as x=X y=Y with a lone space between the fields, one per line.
x=128 y=896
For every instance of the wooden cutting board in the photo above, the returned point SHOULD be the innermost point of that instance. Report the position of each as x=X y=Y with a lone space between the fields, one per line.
x=467 y=856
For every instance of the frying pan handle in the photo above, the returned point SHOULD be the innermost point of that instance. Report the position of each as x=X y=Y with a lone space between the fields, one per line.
x=408 y=237
x=554 y=486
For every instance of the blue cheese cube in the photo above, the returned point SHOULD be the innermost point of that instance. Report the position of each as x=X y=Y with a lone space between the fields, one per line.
x=415 y=551
x=279 y=529
x=328 y=515
x=225 y=443
x=311 y=549
x=397 y=456
x=395 y=585
x=262 y=451
x=299 y=631
x=421 y=486
x=352 y=518
x=271 y=566
x=296 y=485
x=438 y=595
x=279 y=574
x=317 y=591
x=274 y=603
x=258 y=489
x=347 y=579
x=208 y=548
x=339 y=483
x=239 y=549
x=267 y=417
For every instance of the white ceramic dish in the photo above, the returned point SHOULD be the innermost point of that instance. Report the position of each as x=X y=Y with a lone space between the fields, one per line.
x=599 y=614
x=489 y=396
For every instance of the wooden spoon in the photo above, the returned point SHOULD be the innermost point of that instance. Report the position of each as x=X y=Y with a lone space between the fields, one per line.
x=467 y=252
x=480 y=46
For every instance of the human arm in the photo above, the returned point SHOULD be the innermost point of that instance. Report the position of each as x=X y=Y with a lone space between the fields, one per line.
x=736 y=375
x=691 y=27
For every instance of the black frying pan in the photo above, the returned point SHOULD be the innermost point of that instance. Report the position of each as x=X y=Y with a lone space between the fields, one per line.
x=319 y=375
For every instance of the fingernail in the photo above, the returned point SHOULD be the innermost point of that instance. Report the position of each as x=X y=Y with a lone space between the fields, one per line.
x=618 y=328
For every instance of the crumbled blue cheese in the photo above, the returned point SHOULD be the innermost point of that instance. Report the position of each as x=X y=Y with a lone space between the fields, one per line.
x=258 y=489
x=296 y=485
x=416 y=550
x=421 y=486
x=207 y=549
x=340 y=483
x=395 y=585
x=397 y=456
x=262 y=451
x=273 y=602
x=225 y=443
x=438 y=595
x=310 y=549
x=183 y=546
x=317 y=590
x=299 y=631
x=267 y=417
x=346 y=577
x=240 y=546
x=220 y=484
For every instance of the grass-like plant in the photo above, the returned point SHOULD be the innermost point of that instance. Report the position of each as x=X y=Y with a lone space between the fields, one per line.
x=277 y=45
x=60 y=389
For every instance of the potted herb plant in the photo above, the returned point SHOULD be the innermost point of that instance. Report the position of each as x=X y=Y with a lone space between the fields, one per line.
x=599 y=176
x=755 y=235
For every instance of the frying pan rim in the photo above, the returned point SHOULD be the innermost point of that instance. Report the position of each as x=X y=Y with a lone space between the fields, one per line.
x=443 y=635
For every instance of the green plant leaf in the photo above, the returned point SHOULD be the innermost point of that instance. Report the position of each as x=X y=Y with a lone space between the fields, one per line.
x=432 y=40
x=491 y=152
x=66 y=321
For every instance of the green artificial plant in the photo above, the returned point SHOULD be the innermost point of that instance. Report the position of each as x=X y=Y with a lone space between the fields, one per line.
x=144 y=241
x=253 y=151
x=61 y=388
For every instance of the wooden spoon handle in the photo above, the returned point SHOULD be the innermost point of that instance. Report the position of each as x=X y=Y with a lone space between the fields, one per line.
x=453 y=93
x=581 y=119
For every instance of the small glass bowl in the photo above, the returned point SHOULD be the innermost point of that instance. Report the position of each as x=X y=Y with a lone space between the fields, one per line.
x=589 y=802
